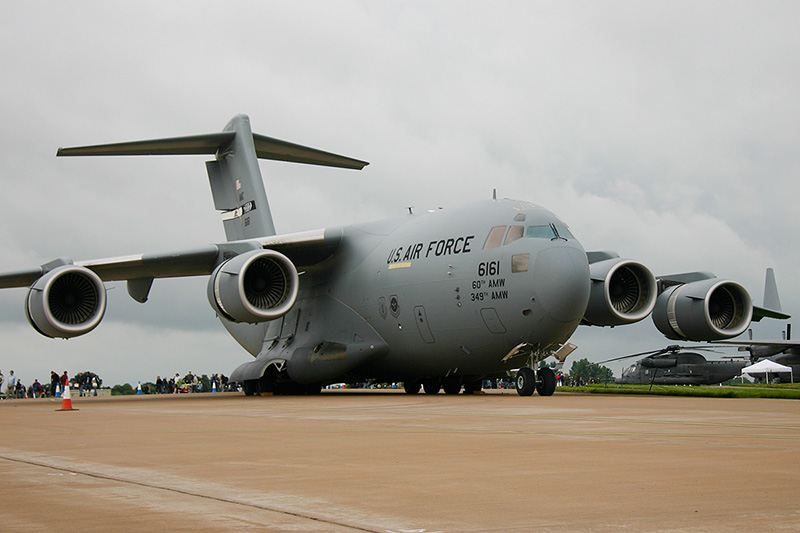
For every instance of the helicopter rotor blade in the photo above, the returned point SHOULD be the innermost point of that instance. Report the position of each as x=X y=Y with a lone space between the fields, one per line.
x=674 y=348
x=651 y=353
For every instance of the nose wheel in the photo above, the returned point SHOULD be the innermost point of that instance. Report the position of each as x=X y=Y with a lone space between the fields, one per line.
x=542 y=381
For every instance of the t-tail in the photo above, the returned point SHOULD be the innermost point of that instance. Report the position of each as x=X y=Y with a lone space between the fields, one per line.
x=234 y=174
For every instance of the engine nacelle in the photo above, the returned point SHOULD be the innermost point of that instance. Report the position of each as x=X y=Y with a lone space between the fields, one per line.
x=255 y=286
x=622 y=292
x=707 y=310
x=66 y=302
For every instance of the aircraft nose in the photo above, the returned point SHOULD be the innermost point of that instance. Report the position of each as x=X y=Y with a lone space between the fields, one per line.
x=561 y=283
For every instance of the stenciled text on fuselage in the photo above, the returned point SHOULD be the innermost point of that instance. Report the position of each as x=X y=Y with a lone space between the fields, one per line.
x=421 y=250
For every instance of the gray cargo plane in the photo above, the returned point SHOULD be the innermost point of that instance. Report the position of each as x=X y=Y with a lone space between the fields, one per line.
x=435 y=300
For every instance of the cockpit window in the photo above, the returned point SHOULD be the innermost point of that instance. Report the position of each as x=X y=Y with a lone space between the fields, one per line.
x=495 y=237
x=541 y=232
x=514 y=233
x=564 y=232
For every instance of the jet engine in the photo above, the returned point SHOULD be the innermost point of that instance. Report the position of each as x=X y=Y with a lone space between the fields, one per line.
x=622 y=292
x=255 y=286
x=707 y=310
x=66 y=302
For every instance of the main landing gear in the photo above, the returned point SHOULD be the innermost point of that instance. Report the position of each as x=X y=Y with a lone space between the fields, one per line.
x=542 y=381
x=275 y=381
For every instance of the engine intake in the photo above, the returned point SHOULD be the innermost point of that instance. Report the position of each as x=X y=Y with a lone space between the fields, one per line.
x=706 y=310
x=622 y=292
x=66 y=302
x=255 y=286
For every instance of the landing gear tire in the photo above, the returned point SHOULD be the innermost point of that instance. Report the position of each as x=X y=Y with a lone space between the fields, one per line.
x=473 y=387
x=451 y=386
x=412 y=386
x=313 y=388
x=546 y=385
x=431 y=385
x=525 y=382
x=250 y=387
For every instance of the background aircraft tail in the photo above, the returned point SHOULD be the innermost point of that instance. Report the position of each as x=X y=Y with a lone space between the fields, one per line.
x=771 y=298
x=234 y=174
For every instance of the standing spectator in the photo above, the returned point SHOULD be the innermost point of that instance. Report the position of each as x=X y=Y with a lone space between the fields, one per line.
x=11 y=385
x=37 y=389
x=54 y=381
x=19 y=392
x=2 y=378
x=64 y=382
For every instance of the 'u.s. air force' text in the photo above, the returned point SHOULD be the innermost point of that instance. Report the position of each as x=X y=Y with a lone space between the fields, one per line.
x=419 y=250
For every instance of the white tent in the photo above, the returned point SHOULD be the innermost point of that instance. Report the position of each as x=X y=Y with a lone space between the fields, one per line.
x=768 y=367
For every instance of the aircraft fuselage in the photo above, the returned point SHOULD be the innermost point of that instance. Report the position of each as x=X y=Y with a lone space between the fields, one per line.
x=442 y=293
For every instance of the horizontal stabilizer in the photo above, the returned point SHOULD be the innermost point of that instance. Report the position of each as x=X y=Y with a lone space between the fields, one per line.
x=194 y=144
x=269 y=148
x=212 y=143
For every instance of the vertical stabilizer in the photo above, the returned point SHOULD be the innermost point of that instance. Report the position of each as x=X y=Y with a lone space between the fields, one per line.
x=237 y=186
x=771 y=299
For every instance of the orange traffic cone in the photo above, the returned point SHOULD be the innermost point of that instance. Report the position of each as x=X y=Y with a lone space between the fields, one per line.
x=66 y=402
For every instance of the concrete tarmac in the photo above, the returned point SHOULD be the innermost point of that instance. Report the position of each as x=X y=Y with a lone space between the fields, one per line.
x=386 y=461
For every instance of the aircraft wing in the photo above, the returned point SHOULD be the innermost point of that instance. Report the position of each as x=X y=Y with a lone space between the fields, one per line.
x=303 y=249
x=758 y=312
x=193 y=262
x=763 y=312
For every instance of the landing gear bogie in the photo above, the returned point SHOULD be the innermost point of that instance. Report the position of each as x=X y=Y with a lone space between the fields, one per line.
x=431 y=385
x=412 y=386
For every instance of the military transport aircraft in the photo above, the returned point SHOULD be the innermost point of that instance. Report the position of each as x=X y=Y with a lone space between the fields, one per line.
x=434 y=300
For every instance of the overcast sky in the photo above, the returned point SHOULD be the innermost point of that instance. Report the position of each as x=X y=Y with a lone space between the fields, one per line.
x=666 y=131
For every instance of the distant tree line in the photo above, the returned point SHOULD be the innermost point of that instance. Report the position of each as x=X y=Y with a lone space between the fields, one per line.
x=588 y=371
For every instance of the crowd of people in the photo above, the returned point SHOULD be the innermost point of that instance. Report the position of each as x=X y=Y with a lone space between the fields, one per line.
x=88 y=383
x=188 y=383
x=12 y=387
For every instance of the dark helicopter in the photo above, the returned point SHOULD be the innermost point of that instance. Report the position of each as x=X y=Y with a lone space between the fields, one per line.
x=674 y=365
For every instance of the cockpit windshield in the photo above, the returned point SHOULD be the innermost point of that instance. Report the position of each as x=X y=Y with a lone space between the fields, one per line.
x=542 y=231
x=564 y=232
